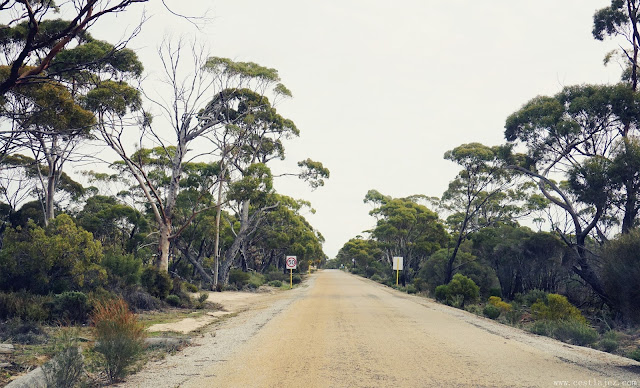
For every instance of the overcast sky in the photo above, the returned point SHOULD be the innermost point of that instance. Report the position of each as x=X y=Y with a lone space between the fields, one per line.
x=382 y=89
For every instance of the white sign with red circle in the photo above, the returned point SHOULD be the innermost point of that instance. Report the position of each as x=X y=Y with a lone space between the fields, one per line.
x=292 y=262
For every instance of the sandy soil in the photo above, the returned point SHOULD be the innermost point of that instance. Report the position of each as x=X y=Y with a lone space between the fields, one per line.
x=232 y=302
x=344 y=331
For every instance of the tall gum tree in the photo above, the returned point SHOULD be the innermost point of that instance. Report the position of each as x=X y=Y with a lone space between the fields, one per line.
x=197 y=109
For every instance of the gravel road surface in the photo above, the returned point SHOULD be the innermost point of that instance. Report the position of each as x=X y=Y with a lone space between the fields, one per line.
x=345 y=331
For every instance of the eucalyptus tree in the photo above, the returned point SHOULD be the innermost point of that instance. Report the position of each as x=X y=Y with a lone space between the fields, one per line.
x=51 y=119
x=33 y=37
x=196 y=108
x=620 y=19
x=585 y=135
x=482 y=194
x=405 y=228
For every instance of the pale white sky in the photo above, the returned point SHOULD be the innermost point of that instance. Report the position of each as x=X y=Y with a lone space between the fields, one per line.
x=382 y=89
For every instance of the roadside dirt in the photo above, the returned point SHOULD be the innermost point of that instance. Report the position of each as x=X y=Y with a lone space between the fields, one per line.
x=345 y=331
x=232 y=302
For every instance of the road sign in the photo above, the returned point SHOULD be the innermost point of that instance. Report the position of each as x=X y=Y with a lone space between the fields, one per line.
x=292 y=262
x=397 y=264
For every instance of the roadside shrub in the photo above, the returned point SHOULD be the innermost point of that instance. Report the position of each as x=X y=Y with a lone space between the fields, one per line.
x=190 y=287
x=513 y=316
x=458 y=292
x=156 y=282
x=122 y=268
x=72 y=306
x=635 y=355
x=255 y=280
x=442 y=293
x=376 y=278
x=474 y=309
x=22 y=332
x=609 y=341
x=276 y=275
x=572 y=331
x=501 y=305
x=556 y=308
x=26 y=306
x=297 y=279
x=575 y=332
x=66 y=368
x=140 y=300
x=275 y=283
x=238 y=278
x=531 y=297
x=173 y=300
x=411 y=289
x=119 y=337
x=621 y=274
x=491 y=311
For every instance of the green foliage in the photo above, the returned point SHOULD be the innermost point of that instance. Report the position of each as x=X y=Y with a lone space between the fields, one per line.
x=122 y=268
x=411 y=289
x=297 y=279
x=275 y=283
x=531 y=297
x=60 y=258
x=491 y=311
x=18 y=331
x=119 y=337
x=574 y=331
x=609 y=342
x=66 y=369
x=442 y=293
x=173 y=300
x=376 y=278
x=156 y=282
x=25 y=306
x=557 y=308
x=238 y=278
x=462 y=286
x=634 y=355
x=191 y=287
x=621 y=274
x=500 y=304
x=71 y=306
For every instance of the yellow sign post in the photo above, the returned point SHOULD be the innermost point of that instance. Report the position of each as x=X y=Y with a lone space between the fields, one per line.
x=291 y=263
x=397 y=266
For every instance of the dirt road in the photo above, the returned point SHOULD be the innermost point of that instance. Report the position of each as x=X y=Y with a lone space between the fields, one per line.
x=344 y=331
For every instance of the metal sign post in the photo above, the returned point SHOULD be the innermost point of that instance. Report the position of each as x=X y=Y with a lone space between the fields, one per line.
x=397 y=266
x=291 y=263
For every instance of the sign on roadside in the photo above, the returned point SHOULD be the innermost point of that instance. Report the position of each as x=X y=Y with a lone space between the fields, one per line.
x=397 y=263
x=292 y=262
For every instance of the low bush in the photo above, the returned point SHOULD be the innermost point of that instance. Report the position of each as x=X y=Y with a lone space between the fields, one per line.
x=531 y=297
x=575 y=332
x=238 y=278
x=190 y=287
x=609 y=341
x=411 y=289
x=22 y=332
x=122 y=268
x=71 y=306
x=66 y=368
x=156 y=282
x=276 y=275
x=26 y=306
x=140 y=300
x=501 y=305
x=376 y=278
x=571 y=331
x=460 y=291
x=556 y=308
x=255 y=280
x=275 y=283
x=173 y=300
x=491 y=311
x=297 y=279
x=635 y=354
x=119 y=337
x=495 y=292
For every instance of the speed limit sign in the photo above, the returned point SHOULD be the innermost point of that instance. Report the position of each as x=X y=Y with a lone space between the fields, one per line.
x=292 y=262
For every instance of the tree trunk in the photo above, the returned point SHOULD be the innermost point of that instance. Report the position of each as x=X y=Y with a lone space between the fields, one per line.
x=163 y=247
